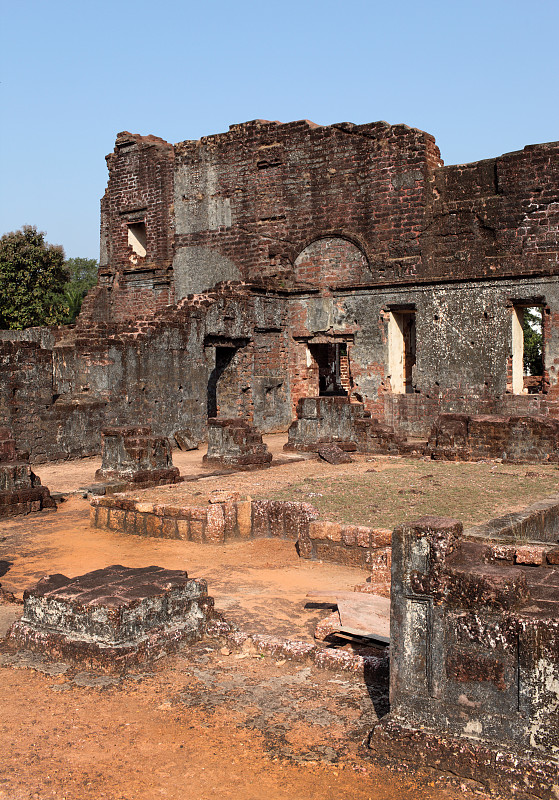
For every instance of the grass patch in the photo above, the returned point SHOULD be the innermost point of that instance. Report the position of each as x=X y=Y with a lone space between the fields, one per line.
x=401 y=490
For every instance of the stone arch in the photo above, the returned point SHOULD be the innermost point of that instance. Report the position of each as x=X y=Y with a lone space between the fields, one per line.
x=331 y=260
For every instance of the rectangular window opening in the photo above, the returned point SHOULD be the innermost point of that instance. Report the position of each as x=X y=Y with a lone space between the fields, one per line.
x=401 y=351
x=527 y=349
x=137 y=238
x=332 y=362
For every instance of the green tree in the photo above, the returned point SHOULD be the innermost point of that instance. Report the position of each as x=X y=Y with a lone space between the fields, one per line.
x=83 y=276
x=533 y=341
x=32 y=280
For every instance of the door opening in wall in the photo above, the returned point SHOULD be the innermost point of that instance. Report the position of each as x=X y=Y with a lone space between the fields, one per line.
x=401 y=350
x=333 y=368
x=223 y=358
x=527 y=349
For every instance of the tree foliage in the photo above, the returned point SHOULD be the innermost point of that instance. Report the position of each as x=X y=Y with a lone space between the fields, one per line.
x=32 y=280
x=83 y=276
x=533 y=341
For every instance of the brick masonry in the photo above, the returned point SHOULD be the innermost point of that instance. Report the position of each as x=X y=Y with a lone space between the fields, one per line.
x=235 y=444
x=516 y=438
x=113 y=618
x=227 y=517
x=21 y=491
x=474 y=659
x=270 y=244
x=132 y=455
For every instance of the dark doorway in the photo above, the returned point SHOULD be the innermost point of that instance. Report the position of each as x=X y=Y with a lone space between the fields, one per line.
x=223 y=358
x=328 y=358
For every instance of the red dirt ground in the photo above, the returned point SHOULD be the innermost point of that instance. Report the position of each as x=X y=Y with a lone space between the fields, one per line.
x=207 y=723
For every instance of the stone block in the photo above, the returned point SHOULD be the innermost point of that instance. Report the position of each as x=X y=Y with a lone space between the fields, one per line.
x=116 y=519
x=186 y=440
x=244 y=518
x=196 y=530
x=130 y=522
x=362 y=536
x=230 y=530
x=503 y=552
x=183 y=529
x=275 y=520
x=169 y=528
x=331 y=531
x=235 y=444
x=215 y=525
x=381 y=537
x=153 y=525
x=305 y=547
x=133 y=455
x=112 y=618
x=531 y=554
x=349 y=535
x=326 y=550
x=260 y=518
x=333 y=454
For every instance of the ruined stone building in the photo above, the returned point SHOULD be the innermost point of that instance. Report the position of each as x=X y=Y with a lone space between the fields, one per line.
x=250 y=269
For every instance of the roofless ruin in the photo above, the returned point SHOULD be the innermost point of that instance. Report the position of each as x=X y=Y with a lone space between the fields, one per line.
x=341 y=282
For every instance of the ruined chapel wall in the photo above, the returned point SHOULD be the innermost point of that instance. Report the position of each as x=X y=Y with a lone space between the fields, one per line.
x=463 y=348
x=139 y=193
x=155 y=371
x=249 y=201
x=341 y=226
x=496 y=217
x=57 y=400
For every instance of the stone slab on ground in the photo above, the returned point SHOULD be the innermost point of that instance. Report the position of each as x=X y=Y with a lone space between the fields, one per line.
x=334 y=454
x=367 y=613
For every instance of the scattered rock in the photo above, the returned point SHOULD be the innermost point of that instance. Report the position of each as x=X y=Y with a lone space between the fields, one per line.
x=58 y=497
x=223 y=496
x=185 y=440
x=334 y=454
x=97 y=489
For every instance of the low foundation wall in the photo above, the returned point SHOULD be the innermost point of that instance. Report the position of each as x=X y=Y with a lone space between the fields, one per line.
x=539 y=523
x=220 y=522
x=515 y=439
x=214 y=523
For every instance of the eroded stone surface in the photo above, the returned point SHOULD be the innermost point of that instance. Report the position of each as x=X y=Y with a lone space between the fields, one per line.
x=333 y=454
x=114 y=616
x=236 y=444
x=226 y=287
x=474 y=655
x=20 y=489
x=134 y=455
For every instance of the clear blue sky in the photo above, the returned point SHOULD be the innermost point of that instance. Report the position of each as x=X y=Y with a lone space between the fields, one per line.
x=482 y=77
